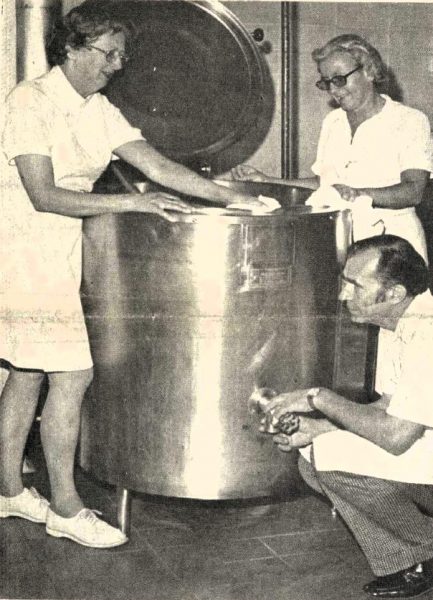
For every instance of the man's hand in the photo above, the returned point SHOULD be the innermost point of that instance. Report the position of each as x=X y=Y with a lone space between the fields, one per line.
x=286 y=443
x=308 y=429
x=293 y=402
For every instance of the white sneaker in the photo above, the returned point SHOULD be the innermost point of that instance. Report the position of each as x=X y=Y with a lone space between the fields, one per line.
x=28 y=505
x=86 y=529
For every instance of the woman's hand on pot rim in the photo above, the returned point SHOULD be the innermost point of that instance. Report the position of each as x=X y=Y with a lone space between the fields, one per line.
x=249 y=173
x=160 y=202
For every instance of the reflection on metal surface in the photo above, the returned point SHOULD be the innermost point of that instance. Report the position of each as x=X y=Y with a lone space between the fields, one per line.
x=207 y=256
x=262 y=357
x=168 y=413
x=343 y=235
x=204 y=452
x=34 y=21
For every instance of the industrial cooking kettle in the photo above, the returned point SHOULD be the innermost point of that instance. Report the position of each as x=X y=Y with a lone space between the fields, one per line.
x=187 y=319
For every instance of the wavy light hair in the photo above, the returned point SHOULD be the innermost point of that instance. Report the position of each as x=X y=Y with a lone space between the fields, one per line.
x=359 y=49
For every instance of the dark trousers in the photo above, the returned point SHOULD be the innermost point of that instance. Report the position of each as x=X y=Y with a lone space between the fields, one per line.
x=391 y=521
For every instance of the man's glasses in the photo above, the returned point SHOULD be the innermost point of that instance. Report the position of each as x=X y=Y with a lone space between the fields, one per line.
x=111 y=55
x=338 y=81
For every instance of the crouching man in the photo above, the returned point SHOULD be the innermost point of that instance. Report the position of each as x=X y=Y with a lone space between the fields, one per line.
x=375 y=461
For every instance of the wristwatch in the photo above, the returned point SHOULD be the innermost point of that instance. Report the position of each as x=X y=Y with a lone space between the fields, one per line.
x=311 y=394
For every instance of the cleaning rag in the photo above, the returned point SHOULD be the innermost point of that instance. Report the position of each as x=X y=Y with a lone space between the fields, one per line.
x=268 y=205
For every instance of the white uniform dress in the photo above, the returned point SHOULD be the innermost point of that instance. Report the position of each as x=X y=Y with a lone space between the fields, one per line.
x=41 y=319
x=392 y=141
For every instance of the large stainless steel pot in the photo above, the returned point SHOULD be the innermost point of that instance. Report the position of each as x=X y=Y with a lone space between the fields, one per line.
x=185 y=321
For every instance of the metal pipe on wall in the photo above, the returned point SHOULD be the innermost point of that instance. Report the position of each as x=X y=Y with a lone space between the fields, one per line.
x=289 y=95
x=34 y=19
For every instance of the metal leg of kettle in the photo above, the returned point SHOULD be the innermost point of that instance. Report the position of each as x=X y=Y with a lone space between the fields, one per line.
x=371 y=360
x=339 y=319
x=124 y=509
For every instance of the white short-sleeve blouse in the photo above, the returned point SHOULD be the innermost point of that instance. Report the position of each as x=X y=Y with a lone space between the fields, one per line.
x=396 y=139
x=41 y=319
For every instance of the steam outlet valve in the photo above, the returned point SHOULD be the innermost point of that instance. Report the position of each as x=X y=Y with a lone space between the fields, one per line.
x=287 y=423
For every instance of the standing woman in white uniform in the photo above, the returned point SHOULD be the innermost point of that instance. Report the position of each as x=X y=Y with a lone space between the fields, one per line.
x=59 y=137
x=370 y=146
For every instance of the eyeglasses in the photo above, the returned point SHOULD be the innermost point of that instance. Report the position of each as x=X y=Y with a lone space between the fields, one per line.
x=338 y=81
x=111 y=55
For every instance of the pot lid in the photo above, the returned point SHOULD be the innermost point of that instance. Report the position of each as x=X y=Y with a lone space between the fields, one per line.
x=194 y=84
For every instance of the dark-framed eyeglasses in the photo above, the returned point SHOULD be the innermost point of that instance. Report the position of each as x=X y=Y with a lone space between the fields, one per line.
x=111 y=55
x=338 y=81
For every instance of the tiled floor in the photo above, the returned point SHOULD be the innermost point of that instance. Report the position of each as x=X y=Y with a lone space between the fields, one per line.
x=282 y=549
x=291 y=549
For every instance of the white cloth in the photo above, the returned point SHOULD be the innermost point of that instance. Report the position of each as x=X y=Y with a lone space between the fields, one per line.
x=41 y=319
x=269 y=205
x=408 y=379
x=327 y=196
x=392 y=141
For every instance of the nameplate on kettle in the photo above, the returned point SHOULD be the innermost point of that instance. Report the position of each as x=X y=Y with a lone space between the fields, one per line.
x=255 y=277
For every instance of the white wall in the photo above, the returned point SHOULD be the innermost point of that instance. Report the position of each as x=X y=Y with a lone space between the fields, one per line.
x=267 y=16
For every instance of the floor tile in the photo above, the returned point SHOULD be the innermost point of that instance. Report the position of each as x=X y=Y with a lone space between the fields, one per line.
x=188 y=550
x=209 y=549
x=306 y=580
x=307 y=541
x=109 y=576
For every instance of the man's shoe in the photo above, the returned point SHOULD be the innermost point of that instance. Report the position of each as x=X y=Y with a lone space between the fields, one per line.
x=86 y=529
x=403 y=584
x=28 y=505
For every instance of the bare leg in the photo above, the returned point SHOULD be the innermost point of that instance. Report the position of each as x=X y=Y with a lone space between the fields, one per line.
x=60 y=424
x=17 y=409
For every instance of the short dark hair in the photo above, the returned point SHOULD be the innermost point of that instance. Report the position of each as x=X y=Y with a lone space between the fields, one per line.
x=399 y=262
x=363 y=53
x=83 y=25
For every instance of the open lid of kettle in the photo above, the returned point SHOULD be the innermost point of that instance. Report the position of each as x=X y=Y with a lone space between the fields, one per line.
x=194 y=84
